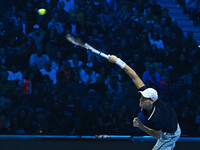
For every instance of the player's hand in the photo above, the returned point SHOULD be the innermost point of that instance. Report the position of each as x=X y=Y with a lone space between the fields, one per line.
x=112 y=58
x=136 y=122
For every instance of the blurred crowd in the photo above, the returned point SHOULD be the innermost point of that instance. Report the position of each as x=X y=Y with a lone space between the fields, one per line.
x=192 y=8
x=49 y=86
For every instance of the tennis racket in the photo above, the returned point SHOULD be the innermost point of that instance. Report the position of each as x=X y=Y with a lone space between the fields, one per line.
x=80 y=43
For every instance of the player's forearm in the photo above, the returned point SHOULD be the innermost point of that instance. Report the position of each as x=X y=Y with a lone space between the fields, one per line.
x=154 y=133
x=137 y=81
x=133 y=75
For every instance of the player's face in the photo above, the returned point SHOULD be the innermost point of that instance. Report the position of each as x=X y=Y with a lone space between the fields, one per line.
x=145 y=103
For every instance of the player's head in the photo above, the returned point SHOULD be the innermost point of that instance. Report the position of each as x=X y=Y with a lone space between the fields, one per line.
x=148 y=97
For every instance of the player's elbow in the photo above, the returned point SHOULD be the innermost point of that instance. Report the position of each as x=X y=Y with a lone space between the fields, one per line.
x=158 y=134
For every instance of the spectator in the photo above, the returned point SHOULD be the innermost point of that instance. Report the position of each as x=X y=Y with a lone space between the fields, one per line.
x=37 y=35
x=88 y=76
x=197 y=120
x=51 y=42
x=77 y=87
x=189 y=41
x=174 y=28
x=89 y=121
x=186 y=116
x=24 y=120
x=149 y=17
x=51 y=72
x=56 y=23
x=39 y=58
x=165 y=14
x=73 y=26
x=75 y=62
x=106 y=119
x=29 y=47
x=156 y=9
x=14 y=126
x=151 y=75
x=90 y=99
x=191 y=6
x=156 y=40
x=14 y=74
x=4 y=124
x=124 y=120
x=68 y=5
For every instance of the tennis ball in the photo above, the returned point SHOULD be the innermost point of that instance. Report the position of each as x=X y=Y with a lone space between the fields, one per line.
x=40 y=131
x=42 y=11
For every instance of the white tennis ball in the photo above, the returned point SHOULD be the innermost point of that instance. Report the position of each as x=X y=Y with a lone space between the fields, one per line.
x=42 y=11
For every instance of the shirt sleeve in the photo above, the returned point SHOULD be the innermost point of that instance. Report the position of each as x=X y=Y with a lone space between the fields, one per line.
x=142 y=88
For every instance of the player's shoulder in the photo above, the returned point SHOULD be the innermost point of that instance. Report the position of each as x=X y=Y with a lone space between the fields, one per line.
x=160 y=102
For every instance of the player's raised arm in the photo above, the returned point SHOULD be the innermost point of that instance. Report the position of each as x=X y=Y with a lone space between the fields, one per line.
x=135 y=78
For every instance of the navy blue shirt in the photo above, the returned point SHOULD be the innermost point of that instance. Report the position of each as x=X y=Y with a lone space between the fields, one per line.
x=162 y=117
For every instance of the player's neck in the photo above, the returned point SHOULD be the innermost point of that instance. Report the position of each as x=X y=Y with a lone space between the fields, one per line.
x=149 y=109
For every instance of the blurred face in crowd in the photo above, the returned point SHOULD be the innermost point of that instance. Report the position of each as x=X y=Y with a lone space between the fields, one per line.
x=123 y=43
x=61 y=4
x=190 y=35
x=149 y=26
x=155 y=35
x=1 y=25
x=173 y=35
x=90 y=108
x=22 y=113
x=4 y=76
x=14 y=68
x=48 y=66
x=182 y=58
x=95 y=33
x=174 y=24
x=55 y=16
x=76 y=78
x=18 y=26
x=52 y=29
x=66 y=65
x=58 y=55
x=148 y=11
x=165 y=13
x=154 y=47
x=153 y=1
x=75 y=57
x=2 y=51
x=124 y=109
x=29 y=41
x=29 y=6
x=195 y=70
x=152 y=69
x=36 y=31
x=136 y=57
x=88 y=70
x=39 y=52
x=106 y=106
x=163 y=21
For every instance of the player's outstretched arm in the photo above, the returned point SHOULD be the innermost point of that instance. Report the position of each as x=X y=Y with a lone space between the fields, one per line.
x=133 y=75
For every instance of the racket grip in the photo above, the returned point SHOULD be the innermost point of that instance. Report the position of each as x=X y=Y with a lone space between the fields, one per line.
x=104 y=55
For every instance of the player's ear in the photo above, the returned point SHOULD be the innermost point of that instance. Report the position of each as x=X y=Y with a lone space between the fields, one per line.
x=152 y=101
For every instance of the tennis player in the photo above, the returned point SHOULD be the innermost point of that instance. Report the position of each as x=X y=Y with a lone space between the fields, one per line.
x=156 y=118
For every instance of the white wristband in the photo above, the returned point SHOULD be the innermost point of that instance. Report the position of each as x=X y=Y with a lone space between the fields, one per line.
x=120 y=63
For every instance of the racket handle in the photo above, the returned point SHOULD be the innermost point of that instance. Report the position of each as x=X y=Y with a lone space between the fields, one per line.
x=104 y=55
x=96 y=51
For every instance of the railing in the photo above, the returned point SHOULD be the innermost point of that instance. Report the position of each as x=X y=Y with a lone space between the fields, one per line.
x=83 y=137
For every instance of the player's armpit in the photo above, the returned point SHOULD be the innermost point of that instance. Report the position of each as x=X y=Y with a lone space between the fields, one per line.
x=135 y=78
x=151 y=132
